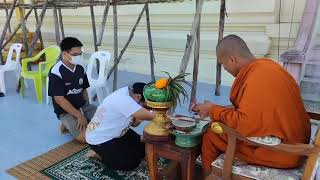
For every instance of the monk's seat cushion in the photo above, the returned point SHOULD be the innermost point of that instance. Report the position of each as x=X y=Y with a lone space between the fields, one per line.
x=259 y=172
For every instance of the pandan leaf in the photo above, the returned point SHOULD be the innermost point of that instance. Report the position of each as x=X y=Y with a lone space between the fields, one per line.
x=168 y=96
x=180 y=76
x=169 y=77
x=181 y=90
x=176 y=94
x=174 y=100
x=185 y=82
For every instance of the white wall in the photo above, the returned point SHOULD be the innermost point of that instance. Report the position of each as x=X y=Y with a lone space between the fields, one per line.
x=257 y=21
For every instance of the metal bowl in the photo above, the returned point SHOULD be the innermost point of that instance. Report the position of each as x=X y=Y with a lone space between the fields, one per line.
x=183 y=124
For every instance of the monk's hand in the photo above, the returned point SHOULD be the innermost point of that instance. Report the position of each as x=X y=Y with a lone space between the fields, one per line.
x=203 y=109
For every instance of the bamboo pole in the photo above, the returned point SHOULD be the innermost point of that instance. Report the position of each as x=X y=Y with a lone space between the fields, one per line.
x=5 y=28
x=187 y=53
x=7 y=14
x=103 y=23
x=115 y=54
x=61 y=23
x=195 y=64
x=24 y=30
x=127 y=43
x=15 y=30
x=221 y=29
x=25 y=39
x=56 y=24
x=130 y=2
x=152 y=59
x=38 y=32
x=94 y=31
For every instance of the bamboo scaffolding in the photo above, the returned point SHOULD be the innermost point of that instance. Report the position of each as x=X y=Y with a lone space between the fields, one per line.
x=192 y=39
x=24 y=29
x=16 y=30
x=195 y=64
x=5 y=28
x=115 y=49
x=61 y=23
x=187 y=53
x=127 y=43
x=152 y=59
x=38 y=32
x=103 y=23
x=56 y=24
x=7 y=14
x=221 y=29
x=37 y=21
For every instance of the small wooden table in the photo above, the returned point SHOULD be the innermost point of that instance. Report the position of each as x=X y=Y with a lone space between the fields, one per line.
x=169 y=150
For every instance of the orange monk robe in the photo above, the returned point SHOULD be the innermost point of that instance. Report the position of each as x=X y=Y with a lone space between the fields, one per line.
x=266 y=102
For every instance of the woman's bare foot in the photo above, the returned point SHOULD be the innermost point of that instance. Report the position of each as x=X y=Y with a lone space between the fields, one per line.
x=63 y=129
x=93 y=155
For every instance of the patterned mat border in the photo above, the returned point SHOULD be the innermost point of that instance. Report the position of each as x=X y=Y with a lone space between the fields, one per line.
x=31 y=169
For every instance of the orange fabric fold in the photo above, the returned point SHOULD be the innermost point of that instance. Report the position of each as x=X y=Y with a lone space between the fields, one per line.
x=267 y=102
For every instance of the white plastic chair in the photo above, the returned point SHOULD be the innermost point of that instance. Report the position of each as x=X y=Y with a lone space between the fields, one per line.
x=11 y=65
x=98 y=85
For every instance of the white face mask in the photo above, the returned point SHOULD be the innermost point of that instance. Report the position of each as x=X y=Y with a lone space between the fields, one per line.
x=76 y=59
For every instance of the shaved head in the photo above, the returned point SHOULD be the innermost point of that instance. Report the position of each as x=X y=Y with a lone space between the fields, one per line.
x=233 y=45
x=233 y=53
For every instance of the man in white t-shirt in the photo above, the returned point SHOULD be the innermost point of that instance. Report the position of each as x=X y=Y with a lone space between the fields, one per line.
x=109 y=133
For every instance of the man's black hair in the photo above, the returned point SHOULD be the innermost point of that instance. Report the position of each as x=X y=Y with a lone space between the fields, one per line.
x=70 y=42
x=137 y=88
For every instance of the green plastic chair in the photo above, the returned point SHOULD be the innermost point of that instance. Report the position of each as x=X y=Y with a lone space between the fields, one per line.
x=52 y=53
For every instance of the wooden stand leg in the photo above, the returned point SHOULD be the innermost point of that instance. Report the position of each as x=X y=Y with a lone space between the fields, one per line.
x=187 y=168
x=152 y=160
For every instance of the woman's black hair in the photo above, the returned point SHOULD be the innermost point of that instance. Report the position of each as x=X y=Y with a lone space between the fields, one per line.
x=137 y=88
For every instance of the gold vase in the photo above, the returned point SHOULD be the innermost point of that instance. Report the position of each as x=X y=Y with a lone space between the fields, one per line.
x=156 y=126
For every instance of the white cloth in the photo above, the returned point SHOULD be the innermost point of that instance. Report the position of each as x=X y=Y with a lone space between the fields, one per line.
x=112 y=118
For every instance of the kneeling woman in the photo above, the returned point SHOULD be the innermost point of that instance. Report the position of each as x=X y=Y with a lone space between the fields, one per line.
x=109 y=133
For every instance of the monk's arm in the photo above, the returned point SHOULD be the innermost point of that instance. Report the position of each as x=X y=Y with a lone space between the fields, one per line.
x=245 y=118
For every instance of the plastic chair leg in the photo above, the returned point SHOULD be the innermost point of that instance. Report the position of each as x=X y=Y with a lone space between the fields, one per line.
x=100 y=94
x=2 y=84
x=22 y=86
x=44 y=82
x=107 y=90
x=89 y=91
x=38 y=88
x=47 y=90
x=18 y=75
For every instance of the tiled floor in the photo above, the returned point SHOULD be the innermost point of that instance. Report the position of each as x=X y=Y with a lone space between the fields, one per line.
x=29 y=129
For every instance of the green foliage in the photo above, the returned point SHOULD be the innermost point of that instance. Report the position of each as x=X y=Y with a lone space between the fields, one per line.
x=171 y=92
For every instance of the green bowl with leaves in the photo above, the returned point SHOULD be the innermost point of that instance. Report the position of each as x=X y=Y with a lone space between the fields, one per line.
x=167 y=89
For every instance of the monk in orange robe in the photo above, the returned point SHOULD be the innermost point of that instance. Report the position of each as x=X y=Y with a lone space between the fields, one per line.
x=266 y=102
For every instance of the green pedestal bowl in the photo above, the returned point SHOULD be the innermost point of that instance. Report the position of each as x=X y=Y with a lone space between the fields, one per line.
x=192 y=138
